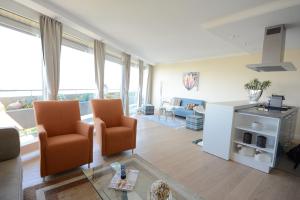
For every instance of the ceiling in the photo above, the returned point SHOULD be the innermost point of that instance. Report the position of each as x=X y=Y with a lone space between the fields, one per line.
x=164 y=31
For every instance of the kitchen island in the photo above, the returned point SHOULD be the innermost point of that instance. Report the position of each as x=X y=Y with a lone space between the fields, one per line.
x=225 y=126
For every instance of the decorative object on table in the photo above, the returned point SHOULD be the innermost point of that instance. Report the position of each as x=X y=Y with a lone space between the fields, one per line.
x=191 y=80
x=263 y=157
x=261 y=141
x=256 y=125
x=126 y=184
x=247 y=138
x=194 y=122
x=160 y=190
x=123 y=172
x=255 y=89
x=148 y=109
x=294 y=155
x=245 y=151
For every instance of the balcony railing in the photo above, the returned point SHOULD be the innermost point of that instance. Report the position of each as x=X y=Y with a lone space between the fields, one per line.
x=23 y=117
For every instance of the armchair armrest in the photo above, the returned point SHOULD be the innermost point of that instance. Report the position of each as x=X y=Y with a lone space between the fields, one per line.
x=85 y=129
x=9 y=143
x=42 y=135
x=129 y=122
x=100 y=128
x=43 y=147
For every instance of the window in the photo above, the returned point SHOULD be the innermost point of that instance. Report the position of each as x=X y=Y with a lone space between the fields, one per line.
x=112 y=80
x=77 y=81
x=133 y=89
x=20 y=79
x=20 y=63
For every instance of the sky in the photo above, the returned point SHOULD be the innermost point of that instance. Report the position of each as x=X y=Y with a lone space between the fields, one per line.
x=21 y=65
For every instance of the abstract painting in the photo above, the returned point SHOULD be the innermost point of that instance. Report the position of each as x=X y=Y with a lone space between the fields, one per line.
x=191 y=80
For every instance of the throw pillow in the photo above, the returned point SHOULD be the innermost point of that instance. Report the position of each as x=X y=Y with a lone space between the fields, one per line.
x=190 y=106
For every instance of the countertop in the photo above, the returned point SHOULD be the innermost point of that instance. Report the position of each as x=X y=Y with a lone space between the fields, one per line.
x=272 y=113
x=234 y=104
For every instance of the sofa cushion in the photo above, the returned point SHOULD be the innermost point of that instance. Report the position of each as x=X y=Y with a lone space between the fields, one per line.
x=9 y=143
x=185 y=101
x=11 y=179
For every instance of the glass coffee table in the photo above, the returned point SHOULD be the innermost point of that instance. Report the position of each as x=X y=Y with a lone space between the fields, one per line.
x=101 y=176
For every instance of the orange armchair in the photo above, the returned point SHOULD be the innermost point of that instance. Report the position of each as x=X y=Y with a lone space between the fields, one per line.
x=65 y=141
x=114 y=131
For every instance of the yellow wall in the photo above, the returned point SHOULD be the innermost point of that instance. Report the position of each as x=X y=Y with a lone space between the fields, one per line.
x=222 y=79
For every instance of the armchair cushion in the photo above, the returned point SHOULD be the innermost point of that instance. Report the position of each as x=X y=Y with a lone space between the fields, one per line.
x=66 y=151
x=118 y=139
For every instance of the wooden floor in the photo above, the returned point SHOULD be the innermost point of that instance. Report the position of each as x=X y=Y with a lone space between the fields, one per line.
x=172 y=151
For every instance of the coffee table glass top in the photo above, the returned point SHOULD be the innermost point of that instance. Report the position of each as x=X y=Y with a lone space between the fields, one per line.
x=101 y=176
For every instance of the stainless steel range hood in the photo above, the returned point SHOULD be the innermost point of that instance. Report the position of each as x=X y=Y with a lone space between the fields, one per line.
x=273 y=52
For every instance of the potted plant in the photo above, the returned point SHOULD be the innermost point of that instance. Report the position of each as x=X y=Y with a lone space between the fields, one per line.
x=255 y=89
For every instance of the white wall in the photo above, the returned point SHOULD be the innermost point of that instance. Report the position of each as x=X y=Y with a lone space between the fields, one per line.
x=223 y=79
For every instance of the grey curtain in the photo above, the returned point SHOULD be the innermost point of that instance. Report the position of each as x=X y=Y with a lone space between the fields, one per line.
x=99 y=55
x=141 y=73
x=51 y=37
x=125 y=82
x=149 y=85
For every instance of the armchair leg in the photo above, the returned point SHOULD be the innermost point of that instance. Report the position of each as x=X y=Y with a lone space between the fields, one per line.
x=88 y=165
x=44 y=179
x=132 y=151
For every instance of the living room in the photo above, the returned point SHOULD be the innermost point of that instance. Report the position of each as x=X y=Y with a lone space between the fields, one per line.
x=168 y=99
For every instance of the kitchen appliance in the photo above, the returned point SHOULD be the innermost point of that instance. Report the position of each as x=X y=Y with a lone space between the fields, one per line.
x=276 y=101
x=273 y=52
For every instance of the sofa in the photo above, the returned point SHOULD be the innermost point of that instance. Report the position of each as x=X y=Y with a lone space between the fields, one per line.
x=10 y=165
x=181 y=110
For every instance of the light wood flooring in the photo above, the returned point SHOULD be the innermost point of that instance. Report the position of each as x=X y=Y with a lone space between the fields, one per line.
x=172 y=151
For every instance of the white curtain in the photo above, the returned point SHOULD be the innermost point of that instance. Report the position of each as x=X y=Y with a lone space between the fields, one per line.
x=141 y=75
x=99 y=56
x=149 y=85
x=125 y=82
x=51 y=37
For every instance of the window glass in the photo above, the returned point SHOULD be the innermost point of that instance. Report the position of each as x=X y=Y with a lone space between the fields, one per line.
x=77 y=80
x=20 y=80
x=112 y=80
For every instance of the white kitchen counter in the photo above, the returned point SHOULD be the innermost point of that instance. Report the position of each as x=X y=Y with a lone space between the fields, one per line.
x=218 y=126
